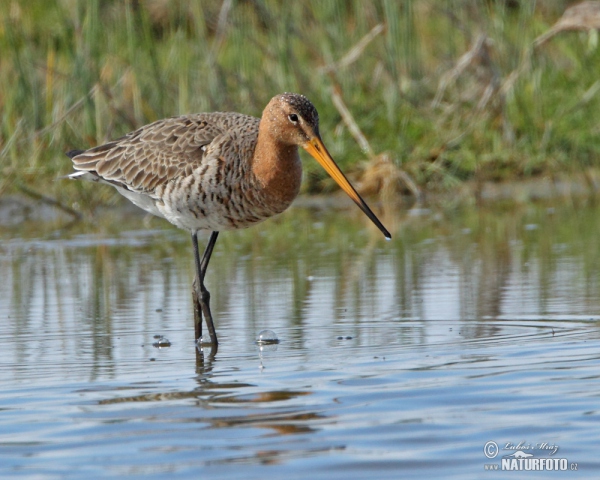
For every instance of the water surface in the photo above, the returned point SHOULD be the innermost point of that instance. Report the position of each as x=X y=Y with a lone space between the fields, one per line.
x=396 y=359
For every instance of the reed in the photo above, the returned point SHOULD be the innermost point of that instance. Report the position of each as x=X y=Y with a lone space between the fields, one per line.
x=76 y=74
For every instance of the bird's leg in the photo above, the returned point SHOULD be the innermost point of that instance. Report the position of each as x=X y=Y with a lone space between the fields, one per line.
x=197 y=310
x=195 y=290
x=200 y=294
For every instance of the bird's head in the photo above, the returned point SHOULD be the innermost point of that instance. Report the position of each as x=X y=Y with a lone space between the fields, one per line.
x=293 y=120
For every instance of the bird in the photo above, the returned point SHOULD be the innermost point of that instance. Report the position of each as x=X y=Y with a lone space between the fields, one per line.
x=215 y=172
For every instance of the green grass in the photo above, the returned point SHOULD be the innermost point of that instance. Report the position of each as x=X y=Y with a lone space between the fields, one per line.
x=74 y=74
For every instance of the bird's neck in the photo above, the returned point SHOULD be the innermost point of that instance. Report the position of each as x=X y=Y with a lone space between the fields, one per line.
x=277 y=167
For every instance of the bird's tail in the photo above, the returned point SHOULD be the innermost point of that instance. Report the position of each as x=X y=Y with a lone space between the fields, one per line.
x=79 y=174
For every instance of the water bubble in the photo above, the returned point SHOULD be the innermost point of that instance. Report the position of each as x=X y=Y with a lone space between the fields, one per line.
x=204 y=340
x=267 y=337
x=161 y=342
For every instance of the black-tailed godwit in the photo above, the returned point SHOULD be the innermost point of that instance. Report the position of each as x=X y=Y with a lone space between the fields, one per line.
x=215 y=171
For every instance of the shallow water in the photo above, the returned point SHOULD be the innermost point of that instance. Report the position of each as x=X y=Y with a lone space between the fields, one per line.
x=396 y=359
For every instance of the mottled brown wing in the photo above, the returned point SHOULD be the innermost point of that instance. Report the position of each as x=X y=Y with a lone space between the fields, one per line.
x=158 y=152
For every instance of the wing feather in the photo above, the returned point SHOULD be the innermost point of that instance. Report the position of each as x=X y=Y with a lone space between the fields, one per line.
x=156 y=153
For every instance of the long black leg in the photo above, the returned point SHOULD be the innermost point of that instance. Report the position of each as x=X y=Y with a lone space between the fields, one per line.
x=200 y=294
x=195 y=290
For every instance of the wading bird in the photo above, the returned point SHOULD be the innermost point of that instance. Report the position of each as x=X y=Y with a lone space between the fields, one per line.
x=215 y=171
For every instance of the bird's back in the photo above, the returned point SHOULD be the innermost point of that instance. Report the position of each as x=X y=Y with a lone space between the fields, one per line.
x=194 y=170
x=173 y=147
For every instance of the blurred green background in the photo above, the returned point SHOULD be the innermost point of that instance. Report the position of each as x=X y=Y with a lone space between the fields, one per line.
x=452 y=91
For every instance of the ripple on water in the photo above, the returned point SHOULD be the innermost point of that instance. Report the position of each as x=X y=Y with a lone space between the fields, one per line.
x=407 y=358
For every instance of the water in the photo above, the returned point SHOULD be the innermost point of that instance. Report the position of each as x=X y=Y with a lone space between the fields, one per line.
x=397 y=359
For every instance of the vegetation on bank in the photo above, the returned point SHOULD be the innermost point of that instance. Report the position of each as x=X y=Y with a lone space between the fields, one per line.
x=448 y=90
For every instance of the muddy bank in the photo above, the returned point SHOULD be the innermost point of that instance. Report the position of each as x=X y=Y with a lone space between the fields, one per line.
x=15 y=209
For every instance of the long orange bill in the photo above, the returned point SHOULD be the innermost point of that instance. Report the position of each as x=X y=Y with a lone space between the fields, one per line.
x=316 y=148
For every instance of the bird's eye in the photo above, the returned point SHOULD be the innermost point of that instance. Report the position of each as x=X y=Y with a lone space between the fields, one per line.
x=293 y=118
